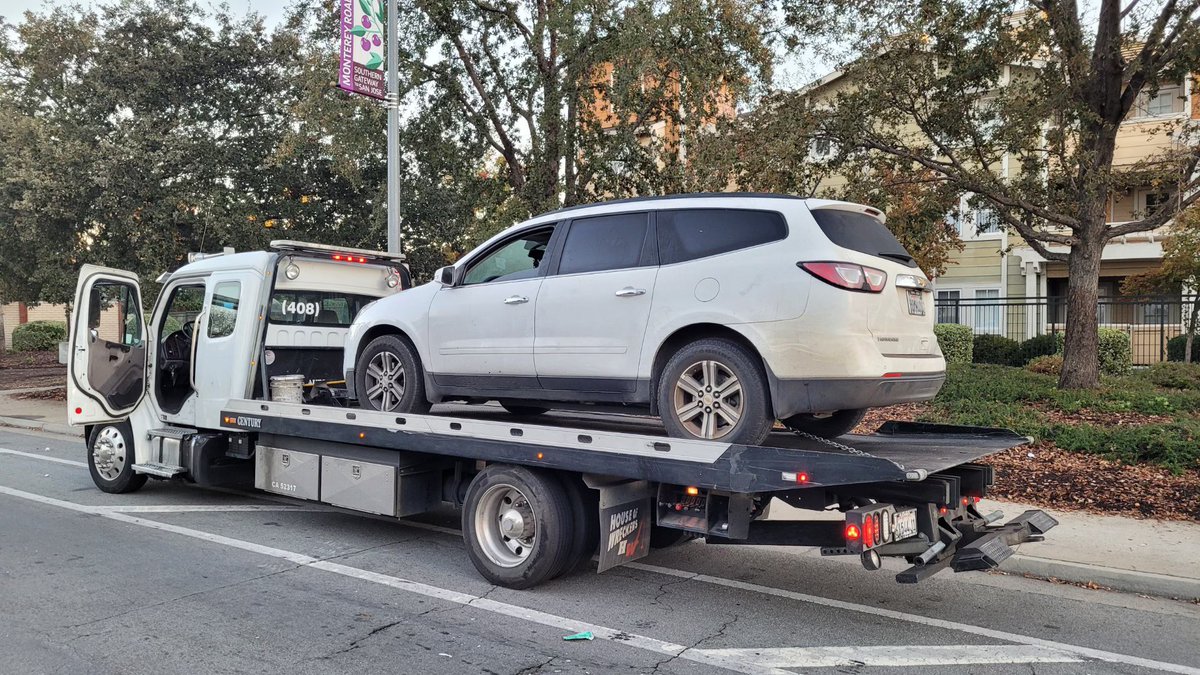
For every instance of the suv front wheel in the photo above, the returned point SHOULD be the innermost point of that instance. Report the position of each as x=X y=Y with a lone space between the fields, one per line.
x=714 y=389
x=389 y=378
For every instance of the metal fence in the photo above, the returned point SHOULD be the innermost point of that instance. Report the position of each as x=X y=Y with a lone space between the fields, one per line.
x=1150 y=322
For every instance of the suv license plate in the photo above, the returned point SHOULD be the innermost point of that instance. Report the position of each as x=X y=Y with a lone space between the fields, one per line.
x=916 y=302
x=905 y=525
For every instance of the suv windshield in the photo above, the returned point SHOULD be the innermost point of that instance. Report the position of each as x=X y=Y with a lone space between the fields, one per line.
x=316 y=308
x=862 y=233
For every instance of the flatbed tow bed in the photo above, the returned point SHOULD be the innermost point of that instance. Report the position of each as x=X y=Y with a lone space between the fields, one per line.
x=712 y=489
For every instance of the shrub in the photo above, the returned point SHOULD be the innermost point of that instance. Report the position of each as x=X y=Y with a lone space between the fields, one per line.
x=1042 y=345
x=1116 y=354
x=1176 y=345
x=995 y=349
x=1048 y=364
x=1175 y=375
x=955 y=340
x=38 y=336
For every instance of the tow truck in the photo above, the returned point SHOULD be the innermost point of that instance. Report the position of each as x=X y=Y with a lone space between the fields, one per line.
x=233 y=380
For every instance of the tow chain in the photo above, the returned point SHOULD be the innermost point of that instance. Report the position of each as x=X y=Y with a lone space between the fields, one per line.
x=839 y=446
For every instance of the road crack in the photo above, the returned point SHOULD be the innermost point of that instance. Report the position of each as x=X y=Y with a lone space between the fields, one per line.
x=720 y=632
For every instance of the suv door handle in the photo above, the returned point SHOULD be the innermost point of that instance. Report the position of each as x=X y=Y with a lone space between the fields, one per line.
x=515 y=300
x=630 y=292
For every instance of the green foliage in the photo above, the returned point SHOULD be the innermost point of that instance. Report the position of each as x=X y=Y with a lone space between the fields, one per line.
x=996 y=349
x=1176 y=348
x=1030 y=403
x=955 y=340
x=38 y=336
x=1049 y=364
x=1040 y=345
x=1116 y=353
x=1175 y=375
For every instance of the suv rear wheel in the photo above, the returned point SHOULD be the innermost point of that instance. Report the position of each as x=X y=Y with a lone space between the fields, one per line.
x=714 y=389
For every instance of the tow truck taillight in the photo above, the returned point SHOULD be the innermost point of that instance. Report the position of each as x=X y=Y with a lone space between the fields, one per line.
x=878 y=524
x=344 y=257
x=850 y=276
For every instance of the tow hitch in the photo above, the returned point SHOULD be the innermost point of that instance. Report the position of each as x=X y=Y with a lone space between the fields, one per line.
x=971 y=543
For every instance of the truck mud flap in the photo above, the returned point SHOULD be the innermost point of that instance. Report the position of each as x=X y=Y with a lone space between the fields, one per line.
x=985 y=547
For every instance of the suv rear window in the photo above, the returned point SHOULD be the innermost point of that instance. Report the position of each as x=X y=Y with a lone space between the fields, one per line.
x=862 y=233
x=687 y=234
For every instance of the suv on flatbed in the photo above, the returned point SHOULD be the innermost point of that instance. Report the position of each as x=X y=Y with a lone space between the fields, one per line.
x=720 y=313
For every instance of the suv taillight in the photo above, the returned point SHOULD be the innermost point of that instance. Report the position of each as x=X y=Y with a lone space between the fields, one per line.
x=850 y=276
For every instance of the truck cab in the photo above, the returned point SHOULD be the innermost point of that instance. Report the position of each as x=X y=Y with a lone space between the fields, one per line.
x=145 y=385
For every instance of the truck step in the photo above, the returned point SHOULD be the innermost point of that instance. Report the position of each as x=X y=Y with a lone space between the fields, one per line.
x=177 y=433
x=160 y=470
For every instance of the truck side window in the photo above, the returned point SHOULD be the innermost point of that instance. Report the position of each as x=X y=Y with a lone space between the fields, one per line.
x=222 y=311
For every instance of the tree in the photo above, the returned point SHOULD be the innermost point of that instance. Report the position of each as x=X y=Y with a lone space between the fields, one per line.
x=1018 y=104
x=1180 y=268
x=562 y=91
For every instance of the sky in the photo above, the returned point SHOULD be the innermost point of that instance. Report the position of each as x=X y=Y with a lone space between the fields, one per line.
x=271 y=9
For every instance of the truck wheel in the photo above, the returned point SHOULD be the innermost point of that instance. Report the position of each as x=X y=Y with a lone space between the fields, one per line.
x=110 y=458
x=389 y=377
x=835 y=425
x=517 y=525
x=714 y=389
x=523 y=410
x=585 y=509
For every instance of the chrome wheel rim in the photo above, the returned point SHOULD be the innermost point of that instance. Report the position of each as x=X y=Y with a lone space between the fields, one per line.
x=385 y=381
x=108 y=454
x=505 y=526
x=708 y=400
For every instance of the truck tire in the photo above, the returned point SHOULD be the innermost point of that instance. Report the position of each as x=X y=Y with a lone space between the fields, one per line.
x=110 y=458
x=840 y=422
x=517 y=525
x=706 y=384
x=585 y=510
x=388 y=376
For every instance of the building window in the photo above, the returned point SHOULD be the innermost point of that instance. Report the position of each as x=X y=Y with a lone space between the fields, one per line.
x=1153 y=201
x=987 y=311
x=986 y=221
x=1168 y=100
x=948 y=308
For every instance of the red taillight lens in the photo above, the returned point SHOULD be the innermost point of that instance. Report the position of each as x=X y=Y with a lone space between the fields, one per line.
x=850 y=276
x=852 y=533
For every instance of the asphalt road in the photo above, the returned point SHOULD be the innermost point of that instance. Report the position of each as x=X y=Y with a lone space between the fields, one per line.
x=179 y=579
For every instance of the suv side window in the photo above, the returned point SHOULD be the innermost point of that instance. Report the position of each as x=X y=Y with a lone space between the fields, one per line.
x=601 y=243
x=688 y=234
x=518 y=258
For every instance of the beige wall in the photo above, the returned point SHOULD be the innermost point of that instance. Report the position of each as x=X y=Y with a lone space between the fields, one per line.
x=42 y=312
x=978 y=261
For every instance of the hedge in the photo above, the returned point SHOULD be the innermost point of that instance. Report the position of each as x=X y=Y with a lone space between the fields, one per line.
x=1042 y=345
x=38 y=336
x=995 y=349
x=1177 y=345
x=1175 y=375
x=1116 y=354
x=956 y=341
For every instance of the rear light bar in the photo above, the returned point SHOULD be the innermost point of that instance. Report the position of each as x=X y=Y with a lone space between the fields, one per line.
x=345 y=257
x=870 y=526
x=850 y=276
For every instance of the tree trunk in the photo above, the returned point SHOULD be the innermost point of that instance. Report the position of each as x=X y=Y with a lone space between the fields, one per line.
x=1193 y=320
x=1081 y=362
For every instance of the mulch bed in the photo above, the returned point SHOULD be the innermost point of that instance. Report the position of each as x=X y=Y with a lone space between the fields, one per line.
x=56 y=394
x=22 y=370
x=1042 y=475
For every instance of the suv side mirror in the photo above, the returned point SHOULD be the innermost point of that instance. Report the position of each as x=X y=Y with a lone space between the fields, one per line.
x=445 y=275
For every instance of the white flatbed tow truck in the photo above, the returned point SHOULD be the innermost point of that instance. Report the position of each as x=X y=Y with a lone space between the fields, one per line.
x=201 y=392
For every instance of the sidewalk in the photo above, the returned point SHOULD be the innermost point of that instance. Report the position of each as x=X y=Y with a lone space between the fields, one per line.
x=35 y=414
x=1153 y=557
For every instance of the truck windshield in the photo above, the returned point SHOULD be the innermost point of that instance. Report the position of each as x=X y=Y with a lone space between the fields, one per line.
x=316 y=308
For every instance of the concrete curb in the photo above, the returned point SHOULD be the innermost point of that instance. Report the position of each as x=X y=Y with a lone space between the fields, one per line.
x=1129 y=581
x=38 y=425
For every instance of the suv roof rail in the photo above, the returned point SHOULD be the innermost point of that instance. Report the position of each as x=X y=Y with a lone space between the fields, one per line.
x=309 y=247
x=684 y=195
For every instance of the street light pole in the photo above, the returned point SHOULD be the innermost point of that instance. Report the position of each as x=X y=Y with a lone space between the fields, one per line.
x=393 y=130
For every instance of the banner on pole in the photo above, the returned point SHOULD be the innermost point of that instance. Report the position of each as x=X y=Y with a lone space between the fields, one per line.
x=360 y=53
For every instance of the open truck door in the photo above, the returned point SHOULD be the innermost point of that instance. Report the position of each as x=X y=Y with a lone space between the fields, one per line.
x=108 y=361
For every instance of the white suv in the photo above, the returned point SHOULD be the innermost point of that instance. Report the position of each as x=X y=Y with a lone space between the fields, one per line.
x=720 y=313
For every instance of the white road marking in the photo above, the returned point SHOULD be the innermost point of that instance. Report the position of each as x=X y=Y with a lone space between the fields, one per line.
x=1084 y=652
x=660 y=647
x=34 y=455
x=895 y=655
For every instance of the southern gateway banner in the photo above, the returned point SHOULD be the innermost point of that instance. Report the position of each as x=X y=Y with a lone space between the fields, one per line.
x=360 y=53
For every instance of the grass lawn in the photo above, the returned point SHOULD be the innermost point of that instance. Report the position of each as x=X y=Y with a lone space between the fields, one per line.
x=1151 y=416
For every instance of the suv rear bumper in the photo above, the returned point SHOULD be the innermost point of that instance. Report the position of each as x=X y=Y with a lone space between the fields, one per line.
x=789 y=397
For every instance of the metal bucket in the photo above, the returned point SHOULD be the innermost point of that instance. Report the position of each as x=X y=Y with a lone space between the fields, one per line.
x=287 y=388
